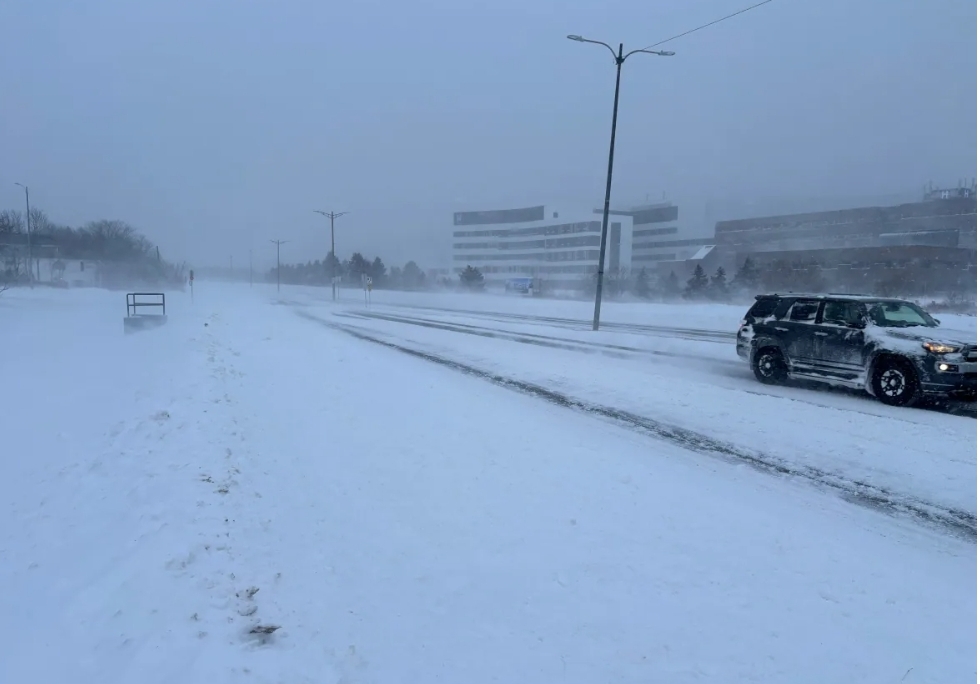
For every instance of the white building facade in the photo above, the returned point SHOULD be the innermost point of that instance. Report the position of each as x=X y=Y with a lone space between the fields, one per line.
x=557 y=247
x=657 y=236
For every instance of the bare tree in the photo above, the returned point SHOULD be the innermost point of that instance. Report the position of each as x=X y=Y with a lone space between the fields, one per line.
x=115 y=239
x=40 y=224
x=11 y=221
x=9 y=272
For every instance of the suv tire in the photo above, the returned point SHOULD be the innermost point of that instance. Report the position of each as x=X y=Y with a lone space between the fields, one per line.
x=894 y=382
x=769 y=366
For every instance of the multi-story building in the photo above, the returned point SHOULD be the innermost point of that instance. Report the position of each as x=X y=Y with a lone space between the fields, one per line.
x=944 y=218
x=558 y=247
x=656 y=235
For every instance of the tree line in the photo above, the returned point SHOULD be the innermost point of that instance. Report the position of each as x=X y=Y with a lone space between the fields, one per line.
x=698 y=286
x=896 y=280
x=351 y=272
x=120 y=252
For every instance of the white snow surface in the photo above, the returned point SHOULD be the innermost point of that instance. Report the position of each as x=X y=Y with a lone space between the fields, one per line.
x=402 y=521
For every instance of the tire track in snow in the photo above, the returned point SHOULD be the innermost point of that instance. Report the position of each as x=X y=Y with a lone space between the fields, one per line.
x=655 y=330
x=621 y=352
x=615 y=350
x=952 y=520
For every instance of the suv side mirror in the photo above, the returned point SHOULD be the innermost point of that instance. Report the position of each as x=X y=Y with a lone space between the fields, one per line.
x=938 y=322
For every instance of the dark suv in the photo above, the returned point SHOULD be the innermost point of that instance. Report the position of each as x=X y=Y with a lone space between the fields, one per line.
x=888 y=347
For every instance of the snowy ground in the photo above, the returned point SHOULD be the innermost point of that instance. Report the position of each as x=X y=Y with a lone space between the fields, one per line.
x=402 y=518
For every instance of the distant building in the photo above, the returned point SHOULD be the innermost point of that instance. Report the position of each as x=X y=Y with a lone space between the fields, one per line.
x=961 y=191
x=43 y=259
x=558 y=247
x=657 y=237
x=945 y=219
x=908 y=270
x=948 y=222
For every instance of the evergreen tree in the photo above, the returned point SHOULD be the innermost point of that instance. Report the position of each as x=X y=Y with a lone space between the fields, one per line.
x=412 y=276
x=471 y=278
x=697 y=284
x=358 y=266
x=671 y=286
x=615 y=282
x=377 y=272
x=747 y=277
x=642 y=288
x=719 y=284
x=331 y=266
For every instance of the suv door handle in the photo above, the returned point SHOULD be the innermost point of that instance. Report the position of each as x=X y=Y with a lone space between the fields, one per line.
x=821 y=334
x=782 y=329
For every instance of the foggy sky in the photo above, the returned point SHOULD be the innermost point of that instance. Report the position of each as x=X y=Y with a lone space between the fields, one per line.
x=213 y=125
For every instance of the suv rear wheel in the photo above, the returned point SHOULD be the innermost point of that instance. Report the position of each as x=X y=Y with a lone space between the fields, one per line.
x=769 y=366
x=894 y=382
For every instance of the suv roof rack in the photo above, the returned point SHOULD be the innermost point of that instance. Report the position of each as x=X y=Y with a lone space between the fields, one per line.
x=820 y=294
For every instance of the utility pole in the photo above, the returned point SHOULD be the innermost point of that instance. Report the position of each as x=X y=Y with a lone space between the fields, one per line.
x=619 y=58
x=30 y=250
x=278 y=244
x=333 y=255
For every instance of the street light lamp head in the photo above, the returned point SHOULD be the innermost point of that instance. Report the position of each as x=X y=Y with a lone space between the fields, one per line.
x=666 y=53
x=578 y=38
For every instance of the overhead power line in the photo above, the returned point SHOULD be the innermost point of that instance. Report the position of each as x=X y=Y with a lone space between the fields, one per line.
x=710 y=23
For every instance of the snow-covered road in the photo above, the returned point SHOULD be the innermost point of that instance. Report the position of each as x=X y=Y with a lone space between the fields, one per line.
x=681 y=375
x=245 y=469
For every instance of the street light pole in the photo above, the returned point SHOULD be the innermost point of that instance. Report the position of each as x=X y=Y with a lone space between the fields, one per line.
x=333 y=255
x=278 y=244
x=30 y=250
x=619 y=58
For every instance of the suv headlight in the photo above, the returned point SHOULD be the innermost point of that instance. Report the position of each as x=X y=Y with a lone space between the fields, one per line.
x=940 y=347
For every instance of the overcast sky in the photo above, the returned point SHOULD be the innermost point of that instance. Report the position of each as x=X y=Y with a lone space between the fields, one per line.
x=215 y=125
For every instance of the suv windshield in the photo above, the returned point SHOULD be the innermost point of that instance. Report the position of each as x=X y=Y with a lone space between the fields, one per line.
x=899 y=315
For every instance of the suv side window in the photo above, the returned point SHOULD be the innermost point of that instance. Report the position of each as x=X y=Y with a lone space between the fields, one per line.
x=764 y=306
x=804 y=311
x=845 y=314
x=782 y=307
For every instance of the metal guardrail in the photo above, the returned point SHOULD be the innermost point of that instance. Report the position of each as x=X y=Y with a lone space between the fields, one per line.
x=136 y=320
x=133 y=303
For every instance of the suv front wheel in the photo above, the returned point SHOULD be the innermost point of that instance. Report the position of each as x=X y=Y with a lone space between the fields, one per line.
x=894 y=382
x=769 y=366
